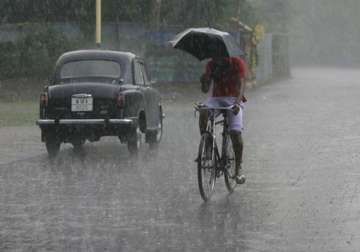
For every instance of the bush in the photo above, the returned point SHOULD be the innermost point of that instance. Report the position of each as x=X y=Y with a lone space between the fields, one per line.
x=9 y=60
x=34 y=53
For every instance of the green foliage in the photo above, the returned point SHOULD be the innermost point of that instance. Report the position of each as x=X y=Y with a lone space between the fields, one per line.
x=9 y=60
x=128 y=11
x=172 y=12
x=187 y=13
x=34 y=54
x=85 y=11
x=36 y=51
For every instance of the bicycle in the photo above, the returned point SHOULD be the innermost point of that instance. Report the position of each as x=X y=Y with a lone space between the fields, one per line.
x=211 y=165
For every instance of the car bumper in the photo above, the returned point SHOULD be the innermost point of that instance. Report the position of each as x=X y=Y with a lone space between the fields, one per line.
x=74 y=122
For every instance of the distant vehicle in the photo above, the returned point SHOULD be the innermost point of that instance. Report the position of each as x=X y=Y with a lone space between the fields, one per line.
x=95 y=93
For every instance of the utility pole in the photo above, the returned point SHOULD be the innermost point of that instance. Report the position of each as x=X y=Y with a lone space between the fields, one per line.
x=98 y=23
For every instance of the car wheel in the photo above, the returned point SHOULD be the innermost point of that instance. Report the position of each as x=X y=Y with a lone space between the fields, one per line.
x=134 y=141
x=154 y=137
x=52 y=145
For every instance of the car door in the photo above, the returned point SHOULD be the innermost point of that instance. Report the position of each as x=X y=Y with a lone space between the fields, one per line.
x=152 y=97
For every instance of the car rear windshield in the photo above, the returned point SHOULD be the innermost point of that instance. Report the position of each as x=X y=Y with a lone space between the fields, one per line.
x=91 y=68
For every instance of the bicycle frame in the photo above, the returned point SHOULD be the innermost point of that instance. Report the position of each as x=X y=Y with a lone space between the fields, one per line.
x=211 y=128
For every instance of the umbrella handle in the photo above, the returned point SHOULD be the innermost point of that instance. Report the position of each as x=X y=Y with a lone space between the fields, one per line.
x=205 y=83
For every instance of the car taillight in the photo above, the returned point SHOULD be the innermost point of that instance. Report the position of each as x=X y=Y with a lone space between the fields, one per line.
x=120 y=101
x=44 y=99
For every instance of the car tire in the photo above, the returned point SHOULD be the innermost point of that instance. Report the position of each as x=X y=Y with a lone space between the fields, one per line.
x=154 y=137
x=134 y=141
x=52 y=145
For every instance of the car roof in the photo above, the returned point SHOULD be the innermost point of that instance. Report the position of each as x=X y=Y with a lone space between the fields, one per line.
x=96 y=54
x=124 y=58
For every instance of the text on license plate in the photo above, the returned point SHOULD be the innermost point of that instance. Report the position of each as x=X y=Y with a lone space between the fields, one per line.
x=81 y=104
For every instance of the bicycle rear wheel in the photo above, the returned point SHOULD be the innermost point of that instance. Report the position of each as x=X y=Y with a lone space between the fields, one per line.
x=206 y=166
x=229 y=166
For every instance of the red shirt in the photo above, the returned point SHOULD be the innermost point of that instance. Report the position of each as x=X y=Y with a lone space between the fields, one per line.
x=226 y=79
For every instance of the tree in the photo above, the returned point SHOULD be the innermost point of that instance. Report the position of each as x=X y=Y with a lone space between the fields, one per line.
x=273 y=14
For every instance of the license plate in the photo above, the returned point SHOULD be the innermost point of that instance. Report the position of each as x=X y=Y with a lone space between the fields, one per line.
x=81 y=104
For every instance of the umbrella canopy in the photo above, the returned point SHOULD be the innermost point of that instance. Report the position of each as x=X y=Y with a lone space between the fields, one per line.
x=205 y=43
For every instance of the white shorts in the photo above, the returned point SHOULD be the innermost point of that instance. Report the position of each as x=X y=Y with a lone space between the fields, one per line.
x=235 y=121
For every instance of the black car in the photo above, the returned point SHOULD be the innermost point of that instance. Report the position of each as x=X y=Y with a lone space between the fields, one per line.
x=95 y=93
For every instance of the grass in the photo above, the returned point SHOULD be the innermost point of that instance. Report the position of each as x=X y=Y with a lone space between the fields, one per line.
x=18 y=113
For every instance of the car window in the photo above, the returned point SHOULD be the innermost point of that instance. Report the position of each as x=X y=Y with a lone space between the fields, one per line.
x=91 y=68
x=139 y=78
x=144 y=72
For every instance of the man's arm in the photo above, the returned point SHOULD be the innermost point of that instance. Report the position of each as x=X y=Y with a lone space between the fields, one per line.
x=241 y=80
x=241 y=88
x=240 y=84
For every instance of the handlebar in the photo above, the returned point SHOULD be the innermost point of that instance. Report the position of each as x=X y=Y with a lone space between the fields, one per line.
x=201 y=106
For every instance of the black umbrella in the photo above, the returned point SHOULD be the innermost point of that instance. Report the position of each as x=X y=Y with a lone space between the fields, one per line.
x=205 y=43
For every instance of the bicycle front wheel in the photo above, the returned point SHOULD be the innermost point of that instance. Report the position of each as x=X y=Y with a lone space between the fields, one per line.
x=206 y=166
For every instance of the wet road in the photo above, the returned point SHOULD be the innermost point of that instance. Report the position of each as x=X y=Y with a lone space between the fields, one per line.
x=302 y=193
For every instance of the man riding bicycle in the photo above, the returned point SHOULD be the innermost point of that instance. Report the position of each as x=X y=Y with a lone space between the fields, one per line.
x=224 y=79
